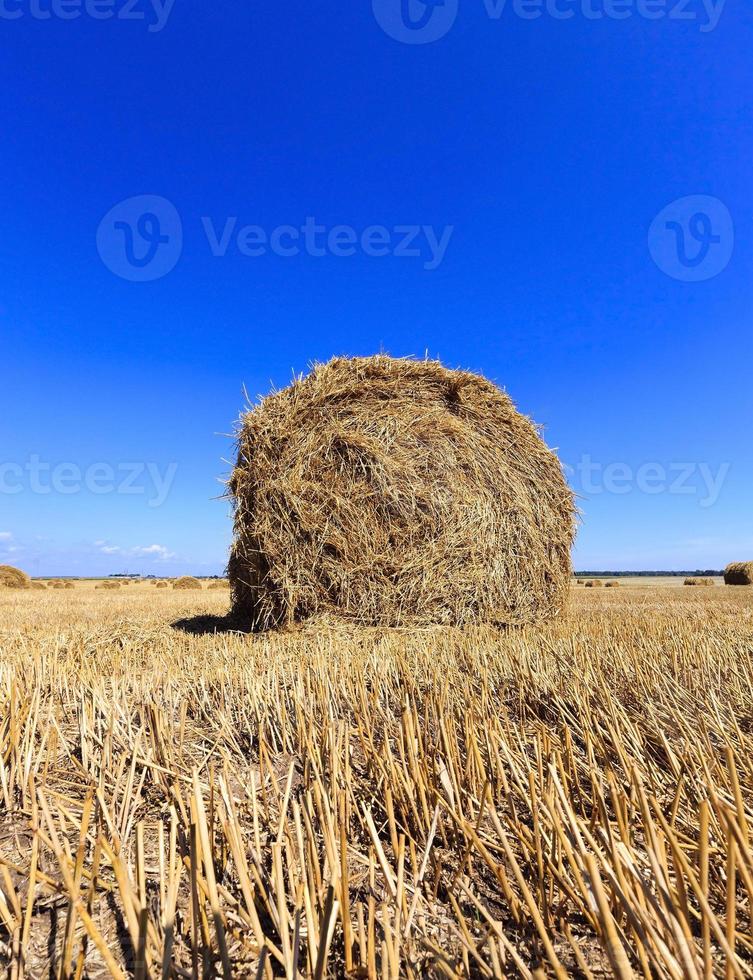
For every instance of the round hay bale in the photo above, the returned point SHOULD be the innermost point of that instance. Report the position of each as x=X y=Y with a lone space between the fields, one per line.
x=13 y=578
x=394 y=492
x=69 y=585
x=161 y=585
x=611 y=585
x=38 y=585
x=108 y=585
x=739 y=573
x=698 y=581
x=187 y=582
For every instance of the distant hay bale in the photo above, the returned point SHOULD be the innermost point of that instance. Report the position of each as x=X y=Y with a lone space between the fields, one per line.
x=161 y=585
x=38 y=585
x=594 y=584
x=108 y=585
x=13 y=578
x=698 y=581
x=218 y=585
x=611 y=585
x=187 y=582
x=57 y=585
x=69 y=585
x=739 y=573
x=395 y=492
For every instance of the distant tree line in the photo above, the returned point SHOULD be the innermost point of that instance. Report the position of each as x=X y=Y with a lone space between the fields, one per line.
x=707 y=572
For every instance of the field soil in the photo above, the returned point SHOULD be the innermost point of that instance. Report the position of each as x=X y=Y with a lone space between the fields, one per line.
x=179 y=798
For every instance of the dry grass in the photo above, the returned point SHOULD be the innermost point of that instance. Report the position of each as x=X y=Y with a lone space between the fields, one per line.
x=391 y=492
x=573 y=798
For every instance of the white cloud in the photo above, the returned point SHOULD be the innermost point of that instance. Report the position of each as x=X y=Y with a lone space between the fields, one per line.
x=6 y=536
x=158 y=551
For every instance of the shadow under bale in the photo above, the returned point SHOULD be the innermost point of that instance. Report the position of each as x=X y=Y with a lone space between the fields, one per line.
x=208 y=625
x=391 y=492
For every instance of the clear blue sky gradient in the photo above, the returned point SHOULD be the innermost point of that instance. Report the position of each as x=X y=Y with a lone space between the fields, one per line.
x=548 y=145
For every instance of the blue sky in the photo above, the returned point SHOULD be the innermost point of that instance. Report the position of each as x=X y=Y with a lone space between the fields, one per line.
x=556 y=194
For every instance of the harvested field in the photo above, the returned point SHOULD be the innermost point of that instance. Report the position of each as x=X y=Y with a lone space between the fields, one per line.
x=182 y=799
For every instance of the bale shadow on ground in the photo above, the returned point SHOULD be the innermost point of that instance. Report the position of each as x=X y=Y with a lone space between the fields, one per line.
x=206 y=625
